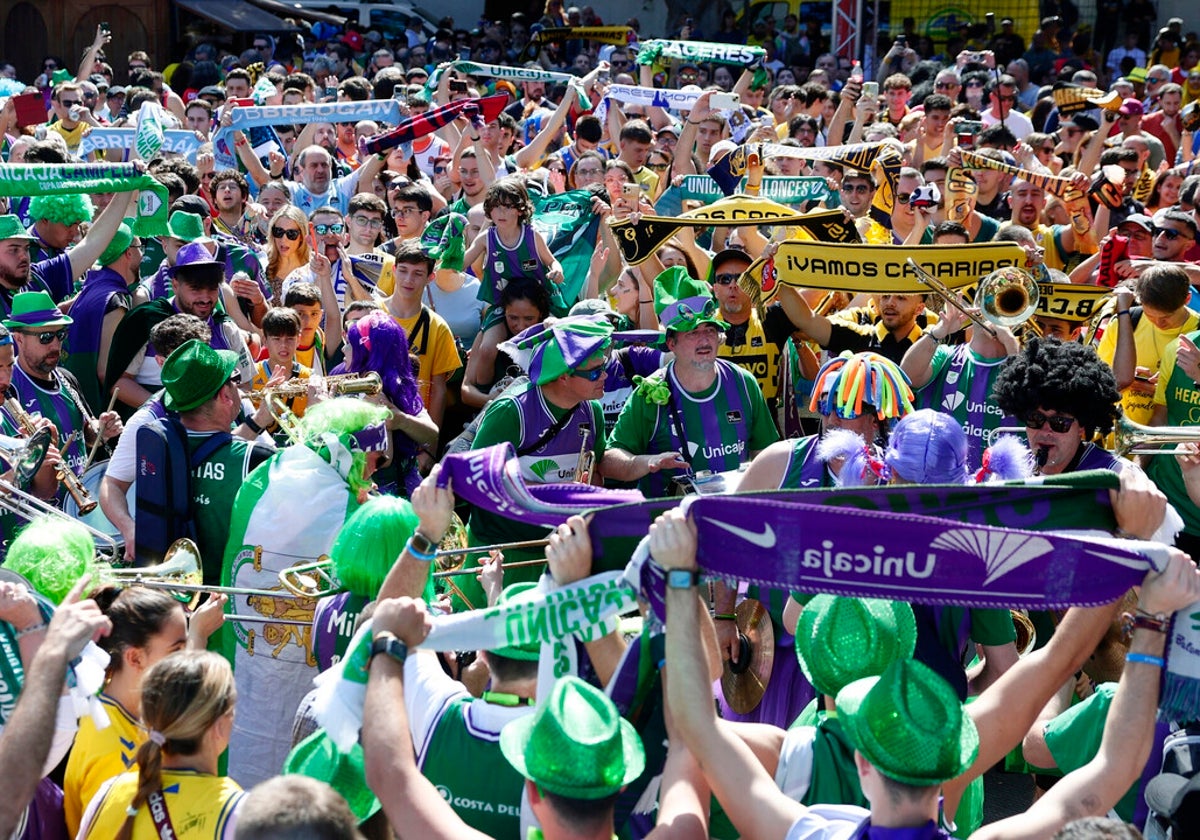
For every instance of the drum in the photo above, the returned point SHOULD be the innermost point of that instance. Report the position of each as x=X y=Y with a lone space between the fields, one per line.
x=96 y=519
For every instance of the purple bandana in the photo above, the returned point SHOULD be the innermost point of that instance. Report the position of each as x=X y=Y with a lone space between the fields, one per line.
x=491 y=479
x=371 y=439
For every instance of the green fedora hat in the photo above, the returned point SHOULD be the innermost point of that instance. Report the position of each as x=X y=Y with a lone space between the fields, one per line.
x=513 y=593
x=909 y=723
x=186 y=227
x=683 y=303
x=319 y=758
x=35 y=309
x=840 y=640
x=194 y=373
x=576 y=744
x=11 y=228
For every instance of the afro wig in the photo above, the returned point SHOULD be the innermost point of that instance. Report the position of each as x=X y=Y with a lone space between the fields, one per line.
x=1063 y=377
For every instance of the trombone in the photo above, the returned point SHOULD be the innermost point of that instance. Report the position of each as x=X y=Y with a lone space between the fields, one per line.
x=1135 y=439
x=1007 y=297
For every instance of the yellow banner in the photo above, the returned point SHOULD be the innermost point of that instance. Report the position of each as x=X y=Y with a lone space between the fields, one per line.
x=1071 y=301
x=875 y=268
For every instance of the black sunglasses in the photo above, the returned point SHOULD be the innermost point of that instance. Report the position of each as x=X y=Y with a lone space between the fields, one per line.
x=726 y=279
x=1170 y=233
x=1058 y=423
x=47 y=337
x=292 y=234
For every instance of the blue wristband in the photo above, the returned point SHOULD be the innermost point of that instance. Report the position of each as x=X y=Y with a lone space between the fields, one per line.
x=420 y=555
x=1145 y=659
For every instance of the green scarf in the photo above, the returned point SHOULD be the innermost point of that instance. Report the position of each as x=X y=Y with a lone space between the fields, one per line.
x=21 y=179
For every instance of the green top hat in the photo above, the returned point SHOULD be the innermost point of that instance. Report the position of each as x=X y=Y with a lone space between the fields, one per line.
x=683 y=303
x=319 y=758
x=186 y=227
x=840 y=640
x=11 y=228
x=527 y=652
x=194 y=373
x=35 y=309
x=909 y=724
x=576 y=744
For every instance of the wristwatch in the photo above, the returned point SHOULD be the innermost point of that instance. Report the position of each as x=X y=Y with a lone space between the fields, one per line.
x=387 y=643
x=683 y=578
x=422 y=544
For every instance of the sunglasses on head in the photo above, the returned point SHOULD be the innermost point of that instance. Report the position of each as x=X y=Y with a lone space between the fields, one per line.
x=48 y=336
x=710 y=309
x=325 y=230
x=279 y=233
x=1058 y=423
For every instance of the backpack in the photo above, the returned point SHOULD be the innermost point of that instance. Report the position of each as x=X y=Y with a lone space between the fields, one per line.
x=164 y=485
x=1181 y=756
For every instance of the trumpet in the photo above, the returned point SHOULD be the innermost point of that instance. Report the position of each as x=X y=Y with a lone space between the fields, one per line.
x=587 y=459
x=65 y=475
x=1007 y=297
x=338 y=386
x=1135 y=439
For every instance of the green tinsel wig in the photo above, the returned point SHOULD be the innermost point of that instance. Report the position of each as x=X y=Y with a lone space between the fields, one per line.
x=369 y=543
x=341 y=418
x=64 y=209
x=52 y=554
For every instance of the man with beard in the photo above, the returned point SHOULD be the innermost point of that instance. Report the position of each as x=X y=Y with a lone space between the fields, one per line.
x=698 y=413
x=1165 y=123
x=888 y=325
x=195 y=284
x=1060 y=242
x=55 y=276
x=44 y=389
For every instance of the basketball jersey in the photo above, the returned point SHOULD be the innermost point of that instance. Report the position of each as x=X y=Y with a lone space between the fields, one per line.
x=199 y=806
x=97 y=756
x=961 y=386
x=59 y=407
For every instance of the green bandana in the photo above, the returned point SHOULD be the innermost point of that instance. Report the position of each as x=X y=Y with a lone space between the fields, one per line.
x=21 y=179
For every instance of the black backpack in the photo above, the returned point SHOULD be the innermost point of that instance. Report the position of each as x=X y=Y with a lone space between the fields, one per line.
x=164 y=485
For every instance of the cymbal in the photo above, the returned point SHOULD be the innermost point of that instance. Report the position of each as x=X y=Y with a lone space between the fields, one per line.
x=745 y=681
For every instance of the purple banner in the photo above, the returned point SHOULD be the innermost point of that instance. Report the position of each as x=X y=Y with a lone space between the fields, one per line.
x=922 y=559
x=490 y=479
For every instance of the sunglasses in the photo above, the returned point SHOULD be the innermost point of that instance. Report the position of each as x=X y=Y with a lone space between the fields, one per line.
x=688 y=314
x=291 y=233
x=726 y=279
x=1155 y=79
x=1170 y=233
x=590 y=375
x=946 y=85
x=325 y=230
x=857 y=188
x=658 y=167
x=47 y=337
x=903 y=198
x=236 y=379
x=68 y=103
x=1059 y=423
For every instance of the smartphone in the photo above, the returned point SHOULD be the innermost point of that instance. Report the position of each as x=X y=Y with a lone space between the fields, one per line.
x=458 y=86
x=104 y=26
x=330 y=93
x=724 y=101
x=870 y=90
x=902 y=41
x=633 y=191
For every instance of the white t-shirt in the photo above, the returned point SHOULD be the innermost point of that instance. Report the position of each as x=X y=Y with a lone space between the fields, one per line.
x=1017 y=123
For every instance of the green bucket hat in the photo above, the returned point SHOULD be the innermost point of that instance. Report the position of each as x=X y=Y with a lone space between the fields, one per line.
x=909 y=723
x=683 y=303
x=194 y=373
x=35 y=309
x=186 y=227
x=11 y=228
x=840 y=640
x=526 y=652
x=319 y=758
x=576 y=744
x=120 y=244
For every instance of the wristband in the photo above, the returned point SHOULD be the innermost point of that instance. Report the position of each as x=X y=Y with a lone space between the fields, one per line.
x=1121 y=312
x=253 y=426
x=33 y=628
x=724 y=617
x=645 y=301
x=1145 y=659
x=424 y=557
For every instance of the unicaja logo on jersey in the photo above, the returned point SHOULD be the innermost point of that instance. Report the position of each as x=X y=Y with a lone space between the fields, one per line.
x=734 y=448
x=952 y=400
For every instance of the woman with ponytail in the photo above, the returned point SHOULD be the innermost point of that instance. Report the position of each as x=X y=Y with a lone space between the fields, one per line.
x=147 y=625
x=187 y=711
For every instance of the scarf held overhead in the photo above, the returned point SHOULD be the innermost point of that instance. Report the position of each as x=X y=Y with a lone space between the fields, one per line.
x=21 y=179
x=419 y=125
x=178 y=141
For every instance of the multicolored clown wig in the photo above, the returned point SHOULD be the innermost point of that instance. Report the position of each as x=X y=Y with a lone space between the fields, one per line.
x=854 y=384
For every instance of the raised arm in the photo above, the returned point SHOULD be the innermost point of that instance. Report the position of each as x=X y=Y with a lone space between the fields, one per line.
x=103 y=228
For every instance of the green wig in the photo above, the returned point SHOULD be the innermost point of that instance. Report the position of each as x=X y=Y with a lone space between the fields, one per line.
x=369 y=543
x=52 y=554
x=65 y=209
x=341 y=418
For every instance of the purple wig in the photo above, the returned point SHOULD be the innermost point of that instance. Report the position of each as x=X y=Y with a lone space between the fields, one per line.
x=380 y=345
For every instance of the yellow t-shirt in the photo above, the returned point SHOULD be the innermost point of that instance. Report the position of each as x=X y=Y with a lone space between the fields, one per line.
x=433 y=345
x=73 y=136
x=97 y=756
x=1150 y=342
x=199 y=806
x=262 y=375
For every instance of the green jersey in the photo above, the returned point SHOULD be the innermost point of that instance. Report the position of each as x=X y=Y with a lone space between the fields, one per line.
x=215 y=484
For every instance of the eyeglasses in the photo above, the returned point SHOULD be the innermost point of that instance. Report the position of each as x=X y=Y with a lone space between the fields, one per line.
x=235 y=380
x=291 y=233
x=1170 y=233
x=688 y=314
x=589 y=170
x=325 y=230
x=138 y=67
x=726 y=279
x=1047 y=150
x=405 y=212
x=367 y=222
x=1155 y=79
x=1058 y=423
x=591 y=374
x=48 y=337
